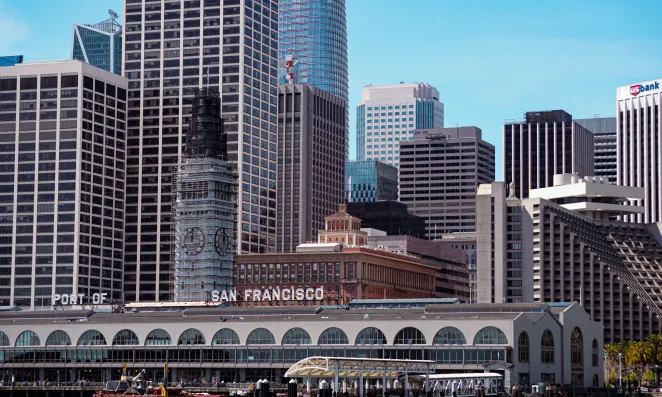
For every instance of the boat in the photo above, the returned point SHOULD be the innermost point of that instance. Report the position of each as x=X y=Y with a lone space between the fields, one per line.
x=126 y=386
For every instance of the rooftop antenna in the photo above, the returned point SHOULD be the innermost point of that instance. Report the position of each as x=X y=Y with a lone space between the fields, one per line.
x=112 y=14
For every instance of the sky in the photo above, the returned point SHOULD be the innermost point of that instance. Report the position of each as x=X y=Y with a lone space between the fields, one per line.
x=490 y=60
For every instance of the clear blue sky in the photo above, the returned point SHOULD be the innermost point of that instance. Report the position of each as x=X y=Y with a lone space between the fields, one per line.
x=490 y=60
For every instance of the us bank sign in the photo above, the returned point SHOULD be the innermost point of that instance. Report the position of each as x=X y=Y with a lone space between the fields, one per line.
x=269 y=294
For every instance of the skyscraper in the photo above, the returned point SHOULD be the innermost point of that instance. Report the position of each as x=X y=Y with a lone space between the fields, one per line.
x=315 y=33
x=389 y=114
x=638 y=140
x=311 y=162
x=100 y=44
x=62 y=150
x=544 y=144
x=604 y=144
x=370 y=181
x=171 y=48
x=204 y=205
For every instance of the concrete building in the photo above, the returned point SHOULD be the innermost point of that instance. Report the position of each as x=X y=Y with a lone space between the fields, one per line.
x=168 y=52
x=577 y=249
x=638 y=137
x=62 y=176
x=204 y=205
x=370 y=181
x=526 y=344
x=389 y=114
x=438 y=174
x=544 y=144
x=604 y=144
x=10 y=60
x=99 y=44
x=391 y=217
x=311 y=162
x=467 y=243
x=452 y=278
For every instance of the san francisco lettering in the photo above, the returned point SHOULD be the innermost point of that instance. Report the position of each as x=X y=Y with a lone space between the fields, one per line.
x=270 y=294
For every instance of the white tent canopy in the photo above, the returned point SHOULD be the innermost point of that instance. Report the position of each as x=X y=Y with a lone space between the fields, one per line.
x=351 y=367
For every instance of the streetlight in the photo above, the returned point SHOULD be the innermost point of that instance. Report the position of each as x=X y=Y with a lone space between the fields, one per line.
x=620 y=377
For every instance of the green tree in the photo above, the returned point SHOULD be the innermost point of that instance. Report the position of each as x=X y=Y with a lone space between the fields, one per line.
x=655 y=342
x=638 y=357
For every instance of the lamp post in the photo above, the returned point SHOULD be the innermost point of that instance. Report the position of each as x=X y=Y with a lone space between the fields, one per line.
x=620 y=370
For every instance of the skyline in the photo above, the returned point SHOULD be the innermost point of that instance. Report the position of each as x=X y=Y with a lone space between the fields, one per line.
x=485 y=72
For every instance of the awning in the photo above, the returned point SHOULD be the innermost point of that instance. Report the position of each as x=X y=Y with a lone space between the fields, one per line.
x=350 y=367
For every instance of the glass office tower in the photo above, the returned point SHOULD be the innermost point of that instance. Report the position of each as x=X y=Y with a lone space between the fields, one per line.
x=11 y=60
x=370 y=181
x=99 y=45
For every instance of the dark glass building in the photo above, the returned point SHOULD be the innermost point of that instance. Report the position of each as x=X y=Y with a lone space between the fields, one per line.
x=11 y=60
x=99 y=45
x=388 y=216
x=604 y=140
x=370 y=181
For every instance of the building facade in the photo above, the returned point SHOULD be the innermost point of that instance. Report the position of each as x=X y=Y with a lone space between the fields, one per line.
x=389 y=114
x=439 y=172
x=311 y=166
x=578 y=251
x=170 y=49
x=99 y=45
x=526 y=344
x=467 y=243
x=604 y=141
x=544 y=144
x=638 y=137
x=10 y=60
x=370 y=181
x=342 y=228
x=62 y=182
x=452 y=278
x=391 y=217
x=204 y=205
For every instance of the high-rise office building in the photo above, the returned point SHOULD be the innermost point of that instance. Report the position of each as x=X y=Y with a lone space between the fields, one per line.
x=604 y=144
x=638 y=140
x=10 y=60
x=370 y=181
x=390 y=217
x=389 y=114
x=100 y=44
x=315 y=34
x=544 y=144
x=439 y=172
x=62 y=150
x=311 y=162
x=171 y=48
x=204 y=205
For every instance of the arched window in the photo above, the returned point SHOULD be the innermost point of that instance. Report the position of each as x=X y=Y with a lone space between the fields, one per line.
x=27 y=338
x=91 y=337
x=225 y=336
x=58 y=338
x=409 y=336
x=4 y=341
x=158 y=337
x=261 y=336
x=125 y=337
x=594 y=352
x=371 y=336
x=449 y=336
x=490 y=336
x=576 y=346
x=523 y=347
x=547 y=347
x=596 y=381
x=296 y=336
x=333 y=336
x=191 y=337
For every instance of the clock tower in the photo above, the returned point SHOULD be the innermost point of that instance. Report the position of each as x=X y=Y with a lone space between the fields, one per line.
x=204 y=205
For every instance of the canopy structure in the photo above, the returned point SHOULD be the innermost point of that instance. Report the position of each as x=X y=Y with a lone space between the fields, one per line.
x=351 y=367
x=477 y=375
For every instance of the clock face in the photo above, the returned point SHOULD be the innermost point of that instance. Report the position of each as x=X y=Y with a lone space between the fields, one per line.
x=223 y=241
x=194 y=241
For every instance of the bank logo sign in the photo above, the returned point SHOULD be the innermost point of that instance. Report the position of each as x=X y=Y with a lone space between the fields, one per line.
x=639 y=88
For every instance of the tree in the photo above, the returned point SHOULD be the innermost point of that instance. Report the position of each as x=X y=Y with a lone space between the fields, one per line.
x=655 y=342
x=638 y=358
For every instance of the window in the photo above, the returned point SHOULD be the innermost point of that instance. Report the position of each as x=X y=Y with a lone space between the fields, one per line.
x=547 y=347
x=371 y=336
x=27 y=338
x=191 y=337
x=490 y=336
x=296 y=336
x=595 y=352
x=58 y=338
x=449 y=336
x=409 y=336
x=261 y=336
x=226 y=336
x=125 y=337
x=4 y=341
x=333 y=336
x=576 y=350
x=158 y=337
x=91 y=338
x=523 y=347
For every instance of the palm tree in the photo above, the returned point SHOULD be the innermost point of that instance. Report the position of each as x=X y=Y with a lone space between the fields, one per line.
x=655 y=342
x=638 y=357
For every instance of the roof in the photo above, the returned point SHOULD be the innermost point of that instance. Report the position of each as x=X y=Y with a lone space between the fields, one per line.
x=478 y=375
x=351 y=367
x=403 y=301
